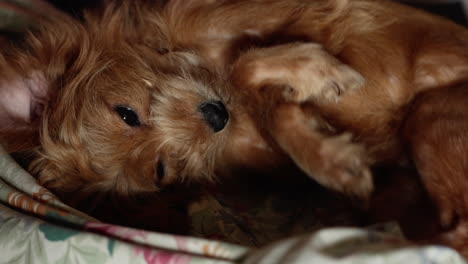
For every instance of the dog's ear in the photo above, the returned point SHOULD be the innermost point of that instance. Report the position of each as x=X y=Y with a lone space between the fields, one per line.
x=28 y=68
x=22 y=100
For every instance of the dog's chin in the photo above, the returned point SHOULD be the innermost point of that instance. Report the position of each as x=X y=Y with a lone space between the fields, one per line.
x=196 y=165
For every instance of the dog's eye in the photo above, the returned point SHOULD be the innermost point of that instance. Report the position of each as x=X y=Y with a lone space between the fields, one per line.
x=162 y=51
x=128 y=115
x=160 y=170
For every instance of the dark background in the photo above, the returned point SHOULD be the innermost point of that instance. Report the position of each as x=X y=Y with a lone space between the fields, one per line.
x=453 y=10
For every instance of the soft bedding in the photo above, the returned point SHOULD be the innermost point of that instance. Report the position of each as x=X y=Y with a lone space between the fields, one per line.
x=35 y=227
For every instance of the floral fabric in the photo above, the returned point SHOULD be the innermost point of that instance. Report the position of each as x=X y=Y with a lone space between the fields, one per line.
x=37 y=228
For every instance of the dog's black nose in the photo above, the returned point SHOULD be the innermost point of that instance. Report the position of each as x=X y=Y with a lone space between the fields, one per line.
x=215 y=114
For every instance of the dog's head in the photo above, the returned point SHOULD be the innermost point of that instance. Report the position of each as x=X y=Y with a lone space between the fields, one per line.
x=115 y=114
x=127 y=126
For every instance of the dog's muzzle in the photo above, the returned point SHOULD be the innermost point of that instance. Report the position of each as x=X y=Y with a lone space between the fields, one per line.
x=215 y=114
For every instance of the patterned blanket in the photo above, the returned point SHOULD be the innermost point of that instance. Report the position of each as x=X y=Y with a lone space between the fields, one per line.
x=35 y=227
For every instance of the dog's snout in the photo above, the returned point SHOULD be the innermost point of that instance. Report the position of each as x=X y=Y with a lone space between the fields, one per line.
x=215 y=114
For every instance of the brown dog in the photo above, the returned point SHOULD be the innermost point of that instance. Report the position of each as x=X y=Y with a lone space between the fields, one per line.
x=127 y=110
x=108 y=109
x=412 y=110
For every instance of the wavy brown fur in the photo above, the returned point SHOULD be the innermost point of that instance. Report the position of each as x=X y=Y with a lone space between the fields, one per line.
x=404 y=54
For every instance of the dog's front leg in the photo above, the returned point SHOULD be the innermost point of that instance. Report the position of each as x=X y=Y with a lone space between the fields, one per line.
x=282 y=78
x=302 y=71
x=333 y=161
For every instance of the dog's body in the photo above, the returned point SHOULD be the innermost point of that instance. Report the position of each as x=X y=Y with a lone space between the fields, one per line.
x=400 y=51
x=108 y=109
x=411 y=111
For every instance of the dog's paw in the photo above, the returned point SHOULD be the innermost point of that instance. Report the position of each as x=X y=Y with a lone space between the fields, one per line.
x=344 y=167
x=300 y=72
x=315 y=74
x=339 y=81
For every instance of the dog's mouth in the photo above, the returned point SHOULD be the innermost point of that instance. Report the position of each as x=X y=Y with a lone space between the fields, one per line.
x=215 y=115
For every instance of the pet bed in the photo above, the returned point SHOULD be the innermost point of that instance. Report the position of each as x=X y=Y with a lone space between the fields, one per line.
x=35 y=227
